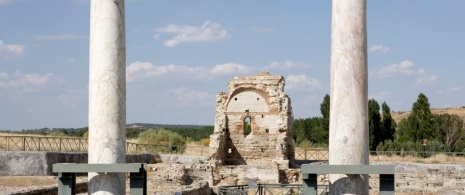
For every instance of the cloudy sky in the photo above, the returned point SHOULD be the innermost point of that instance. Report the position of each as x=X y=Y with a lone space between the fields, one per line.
x=180 y=54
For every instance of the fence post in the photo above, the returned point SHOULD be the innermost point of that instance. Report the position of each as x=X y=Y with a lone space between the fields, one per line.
x=38 y=143
x=59 y=148
x=305 y=154
x=24 y=143
x=7 y=144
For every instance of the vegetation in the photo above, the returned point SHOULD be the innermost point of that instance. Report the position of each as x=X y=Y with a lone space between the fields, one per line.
x=420 y=124
x=420 y=131
x=164 y=140
x=313 y=131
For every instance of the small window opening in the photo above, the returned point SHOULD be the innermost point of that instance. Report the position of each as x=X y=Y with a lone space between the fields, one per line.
x=267 y=130
x=262 y=149
x=235 y=99
x=258 y=99
x=247 y=110
x=263 y=116
x=229 y=150
x=247 y=126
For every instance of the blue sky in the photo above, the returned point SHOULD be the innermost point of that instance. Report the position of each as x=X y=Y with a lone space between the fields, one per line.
x=180 y=54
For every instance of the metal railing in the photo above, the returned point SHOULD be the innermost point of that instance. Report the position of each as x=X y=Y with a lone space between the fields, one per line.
x=37 y=143
x=76 y=144
x=261 y=189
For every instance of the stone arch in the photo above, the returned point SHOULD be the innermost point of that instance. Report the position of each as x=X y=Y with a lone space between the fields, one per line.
x=248 y=100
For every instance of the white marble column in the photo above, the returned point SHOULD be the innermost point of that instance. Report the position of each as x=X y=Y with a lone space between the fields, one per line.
x=107 y=94
x=348 y=134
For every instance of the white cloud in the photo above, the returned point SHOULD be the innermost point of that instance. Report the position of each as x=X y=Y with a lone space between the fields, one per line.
x=143 y=70
x=302 y=82
x=156 y=37
x=381 y=96
x=379 y=49
x=230 y=69
x=10 y=51
x=208 y=32
x=4 y=2
x=404 y=68
x=60 y=37
x=289 y=64
x=450 y=90
x=146 y=70
x=424 y=80
x=73 y=98
x=3 y=76
x=185 y=97
x=28 y=83
x=261 y=29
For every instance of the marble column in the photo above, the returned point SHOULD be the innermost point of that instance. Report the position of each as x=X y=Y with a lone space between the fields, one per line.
x=348 y=134
x=107 y=94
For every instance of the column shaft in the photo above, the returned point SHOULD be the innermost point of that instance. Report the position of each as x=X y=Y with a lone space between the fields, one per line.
x=107 y=94
x=348 y=137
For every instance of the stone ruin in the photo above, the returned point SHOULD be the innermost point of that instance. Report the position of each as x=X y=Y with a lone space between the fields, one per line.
x=258 y=100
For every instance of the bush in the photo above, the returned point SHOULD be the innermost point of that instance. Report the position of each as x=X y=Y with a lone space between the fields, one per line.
x=161 y=140
x=308 y=144
x=205 y=142
x=417 y=147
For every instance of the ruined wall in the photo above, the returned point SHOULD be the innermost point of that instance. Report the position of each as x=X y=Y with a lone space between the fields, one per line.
x=27 y=163
x=261 y=100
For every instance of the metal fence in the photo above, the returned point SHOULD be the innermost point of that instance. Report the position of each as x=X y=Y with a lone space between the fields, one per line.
x=74 y=144
x=389 y=156
x=37 y=143
x=261 y=189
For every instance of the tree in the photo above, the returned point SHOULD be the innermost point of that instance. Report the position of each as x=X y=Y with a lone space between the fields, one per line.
x=450 y=129
x=374 y=124
x=315 y=129
x=419 y=124
x=388 y=125
x=325 y=106
x=421 y=110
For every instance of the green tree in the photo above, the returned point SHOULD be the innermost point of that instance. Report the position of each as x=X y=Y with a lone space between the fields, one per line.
x=374 y=123
x=315 y=129
x=320 y=126
x=388 y=125
x=420 y=124
x=450 y=129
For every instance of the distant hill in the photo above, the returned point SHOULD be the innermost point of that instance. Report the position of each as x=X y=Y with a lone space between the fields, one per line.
x=149 y=125
x=460 y=111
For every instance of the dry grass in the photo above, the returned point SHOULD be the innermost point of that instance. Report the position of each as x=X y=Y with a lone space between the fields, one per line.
x=26 y=181
x=434 y=159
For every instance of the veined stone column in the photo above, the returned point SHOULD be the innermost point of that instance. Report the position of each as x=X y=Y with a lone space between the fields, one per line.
x=107 y=94
x=348 y=134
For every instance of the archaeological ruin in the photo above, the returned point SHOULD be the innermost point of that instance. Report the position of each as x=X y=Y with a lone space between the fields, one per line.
x=259 y=101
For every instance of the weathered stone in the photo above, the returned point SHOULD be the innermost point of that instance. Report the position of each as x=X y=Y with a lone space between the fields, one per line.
x=261 y=99
x=107 y=93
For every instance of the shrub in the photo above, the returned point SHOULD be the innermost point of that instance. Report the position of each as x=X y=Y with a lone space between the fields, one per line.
x=205 y=142
x=161 y=140
x=308 y=144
